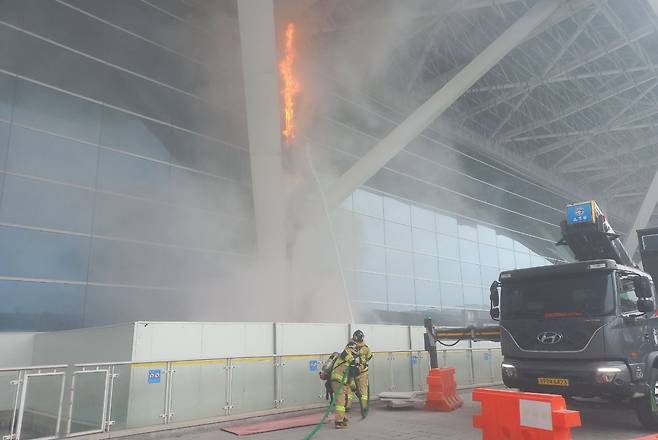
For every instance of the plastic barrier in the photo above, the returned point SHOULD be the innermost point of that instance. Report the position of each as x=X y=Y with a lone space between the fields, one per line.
x=511 y=415
x=442 y=390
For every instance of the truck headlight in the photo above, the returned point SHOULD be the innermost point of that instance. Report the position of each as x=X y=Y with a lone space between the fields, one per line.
x=509 y=370
x=606 y=374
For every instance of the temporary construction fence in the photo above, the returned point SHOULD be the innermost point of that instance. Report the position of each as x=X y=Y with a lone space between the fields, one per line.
x=55 y=401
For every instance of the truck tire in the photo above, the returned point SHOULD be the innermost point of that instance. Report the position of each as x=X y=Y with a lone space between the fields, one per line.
x=646 y=407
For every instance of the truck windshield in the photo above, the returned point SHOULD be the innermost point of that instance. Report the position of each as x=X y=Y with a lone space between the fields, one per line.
x=584 y=294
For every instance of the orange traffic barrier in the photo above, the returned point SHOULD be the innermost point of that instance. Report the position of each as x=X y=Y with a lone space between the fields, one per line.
x=442 y=390
x=511 y=415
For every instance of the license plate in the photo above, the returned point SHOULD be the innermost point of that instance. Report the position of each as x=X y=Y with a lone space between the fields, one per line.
x=553 y=381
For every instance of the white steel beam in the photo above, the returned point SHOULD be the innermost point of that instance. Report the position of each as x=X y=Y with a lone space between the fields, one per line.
x=428 y=112
x=643 y=215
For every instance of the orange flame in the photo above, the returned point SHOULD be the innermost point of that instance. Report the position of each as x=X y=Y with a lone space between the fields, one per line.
x=290 y=84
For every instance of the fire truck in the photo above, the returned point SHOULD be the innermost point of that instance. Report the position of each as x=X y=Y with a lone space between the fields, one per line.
x=583 y=329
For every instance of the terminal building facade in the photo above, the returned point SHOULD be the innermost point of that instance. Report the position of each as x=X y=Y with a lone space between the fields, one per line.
x=126 y=188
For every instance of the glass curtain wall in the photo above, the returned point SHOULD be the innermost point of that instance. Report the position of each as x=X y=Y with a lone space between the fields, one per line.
x=124 y=167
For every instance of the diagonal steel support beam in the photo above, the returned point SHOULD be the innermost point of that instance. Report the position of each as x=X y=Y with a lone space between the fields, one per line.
x=578 y=107
x=428 y=112
x=643 y=215
x=563 y=72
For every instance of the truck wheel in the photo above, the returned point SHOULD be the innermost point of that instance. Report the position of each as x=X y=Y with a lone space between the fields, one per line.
x=646 y=407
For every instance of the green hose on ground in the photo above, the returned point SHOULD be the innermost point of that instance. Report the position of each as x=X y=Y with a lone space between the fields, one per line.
x=330 y=408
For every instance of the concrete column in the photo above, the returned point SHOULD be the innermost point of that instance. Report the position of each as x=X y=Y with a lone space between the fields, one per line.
x=261 y=83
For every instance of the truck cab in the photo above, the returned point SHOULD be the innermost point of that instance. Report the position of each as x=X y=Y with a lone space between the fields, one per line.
x=583 y=329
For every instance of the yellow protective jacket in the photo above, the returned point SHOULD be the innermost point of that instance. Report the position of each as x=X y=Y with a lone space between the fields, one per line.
x=340 y=371
x=364 y=355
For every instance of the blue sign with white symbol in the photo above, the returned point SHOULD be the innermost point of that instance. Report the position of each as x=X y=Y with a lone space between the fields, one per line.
x=414 y=360
x=580 y=213
x=313 y=365
x=154 y=376
x=487 y=356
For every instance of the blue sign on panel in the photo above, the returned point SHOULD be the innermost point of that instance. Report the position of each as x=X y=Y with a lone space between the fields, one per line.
x=154 y=376
x=580 y=213
x=487 y=356
x=313 y=365
x=414 y=360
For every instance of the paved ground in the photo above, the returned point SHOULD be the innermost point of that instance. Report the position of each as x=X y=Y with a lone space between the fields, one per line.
x=600 y=422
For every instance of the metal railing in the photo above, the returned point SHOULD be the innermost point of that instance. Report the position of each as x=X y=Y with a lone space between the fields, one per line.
x=58 y=401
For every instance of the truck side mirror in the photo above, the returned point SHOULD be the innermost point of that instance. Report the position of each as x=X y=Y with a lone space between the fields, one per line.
x=646 y=305
x=493 y=294
x=642 y=287
x=494 y=297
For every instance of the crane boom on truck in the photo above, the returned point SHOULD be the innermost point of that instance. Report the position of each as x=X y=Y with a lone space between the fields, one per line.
x=587 y=328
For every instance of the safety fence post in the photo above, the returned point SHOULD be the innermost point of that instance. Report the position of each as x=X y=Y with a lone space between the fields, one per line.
x=515 y=415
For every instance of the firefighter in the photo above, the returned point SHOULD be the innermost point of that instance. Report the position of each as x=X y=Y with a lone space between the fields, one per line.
x=342 y=377
x=364 y=355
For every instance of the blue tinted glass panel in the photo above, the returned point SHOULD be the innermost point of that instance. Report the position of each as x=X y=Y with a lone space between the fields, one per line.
x=468 y=232
x=371 y=287
x=47 y=205
x=452 y=295
x=4 y=144
x=424 y=241
x=50 y=110
x=368 y=203
x=473 y=297
x=447 y=246
x=538 y=261
x=522 y=260
x=203 y=154
x=42 y=155
x=423 y=218
x=400 y=263
x=193 y=189
x=504 y=242
x=371 y=230
x=426 y=267
x=401 y=290
x=372 y=258
x=486 y=235
x=489 y=275
x=136 y=135
x=447 y=225
x=398 y=236
x=506 y=259
x=449 y=270
x=468 y=251
x=123 y=217
x=397 y=211
x=488 y=255
x=7 y=84
x=36 y=254
x=116 y=262
x=471 y=274
x=104 y=304
x=40 y=306
x=428 y=293
x=131 y=175
x=520 y=247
